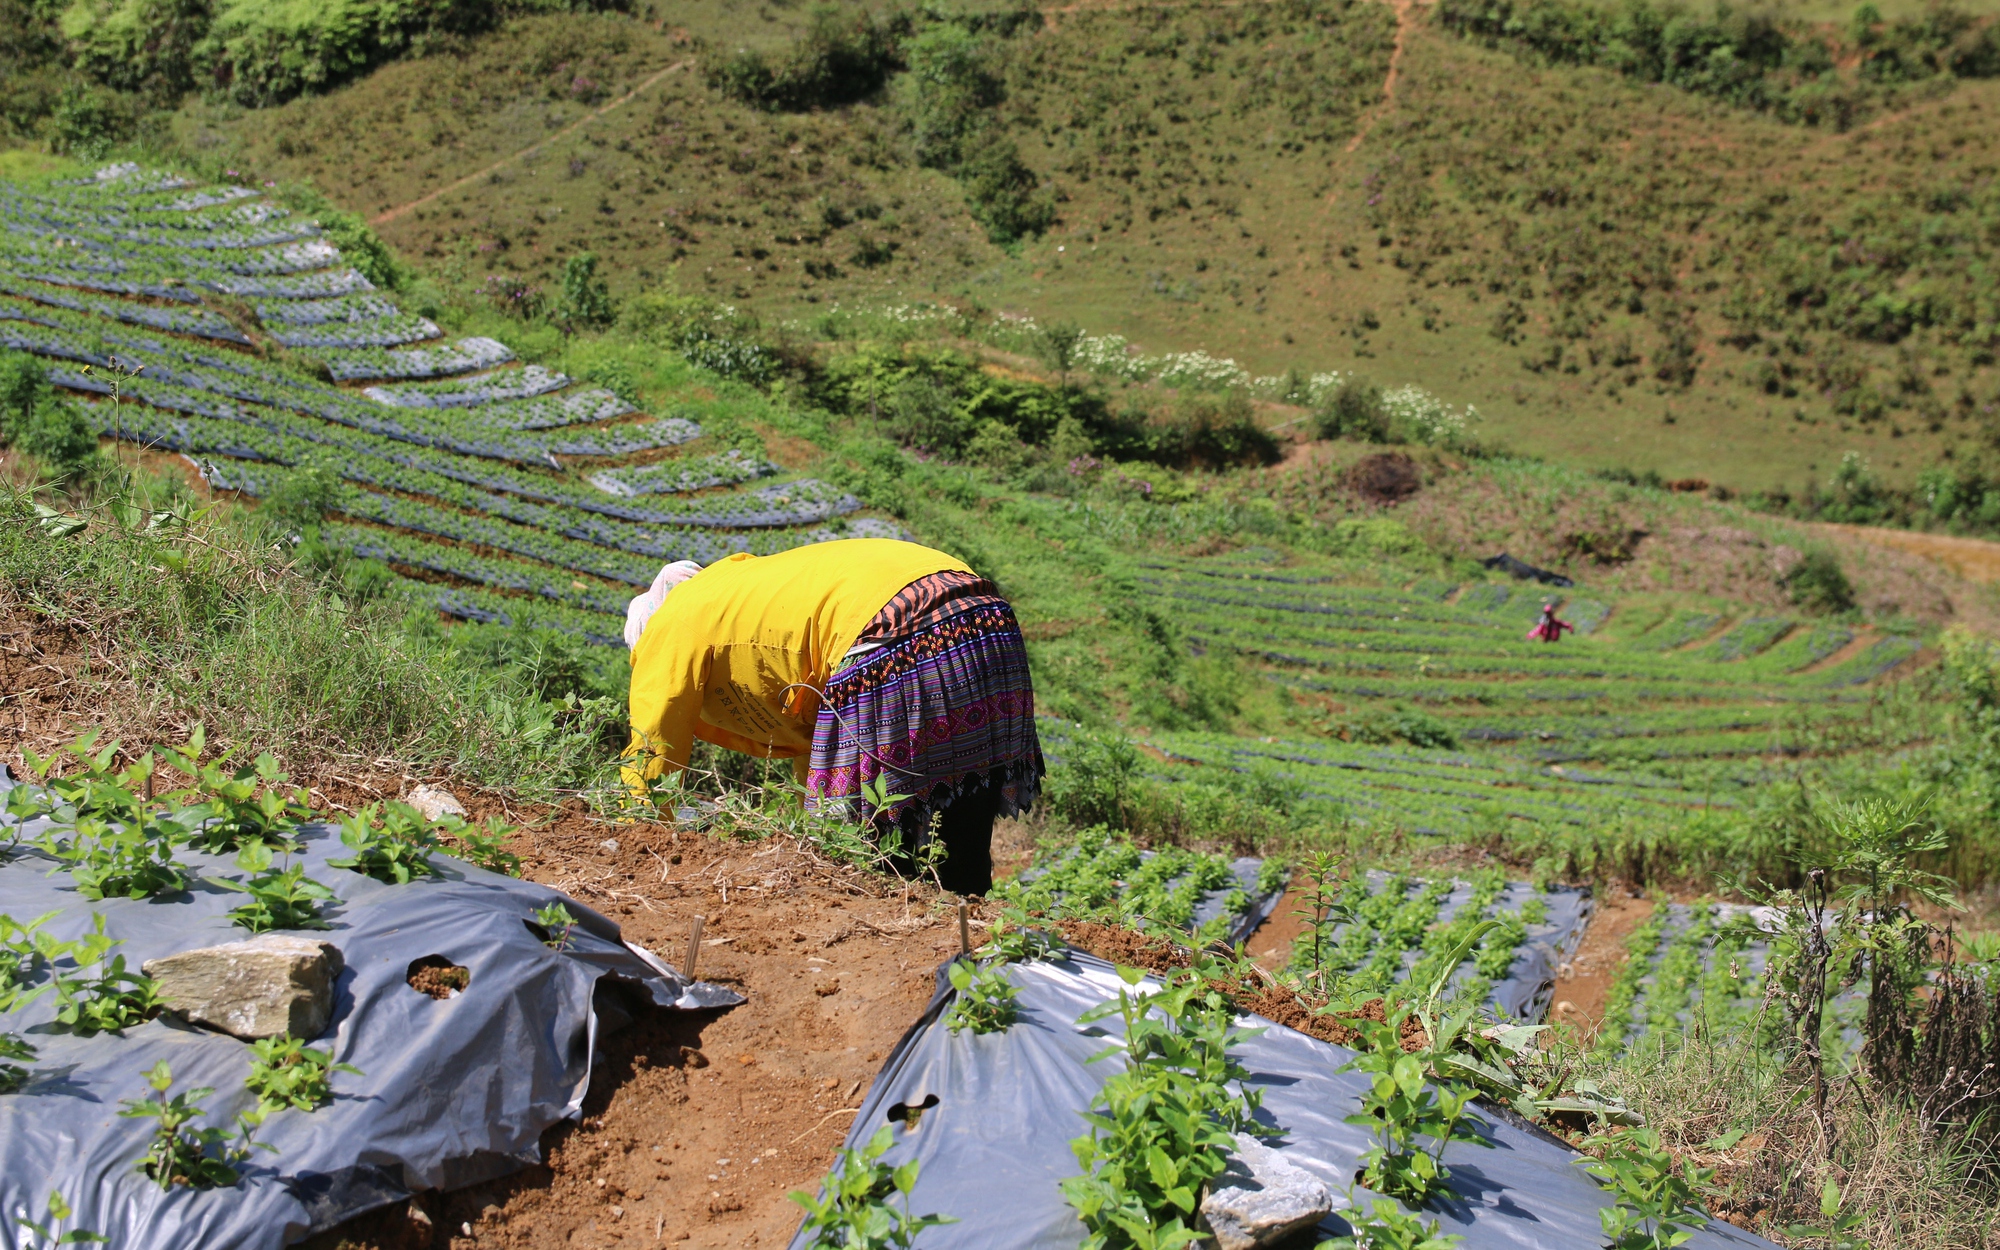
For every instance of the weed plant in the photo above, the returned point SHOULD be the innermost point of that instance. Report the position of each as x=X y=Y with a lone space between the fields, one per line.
x=857 y=1203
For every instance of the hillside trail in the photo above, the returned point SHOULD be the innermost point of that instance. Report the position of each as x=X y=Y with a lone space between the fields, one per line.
x=388 y=215
x=1977 y=560
x=1406 y=20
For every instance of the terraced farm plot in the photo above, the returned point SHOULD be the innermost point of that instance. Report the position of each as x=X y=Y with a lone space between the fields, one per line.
x=455 y=456
x=1389 y=929
x=1681 y=716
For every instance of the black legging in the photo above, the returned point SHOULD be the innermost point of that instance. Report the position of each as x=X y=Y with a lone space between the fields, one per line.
x=965 y=827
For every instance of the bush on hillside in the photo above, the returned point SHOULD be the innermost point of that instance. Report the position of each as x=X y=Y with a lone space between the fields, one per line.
x=841 y=59
x=1818 y=584
x=359 y=245
x=1212 y=432
x=949 y=98
x=1355 y=411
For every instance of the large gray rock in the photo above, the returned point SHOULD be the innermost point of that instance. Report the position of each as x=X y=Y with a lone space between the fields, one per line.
x=1261 y=1199
x=268 y=986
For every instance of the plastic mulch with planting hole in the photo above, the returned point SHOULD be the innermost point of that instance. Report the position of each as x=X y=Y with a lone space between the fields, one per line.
x=472 y=1025
x=994 y=1115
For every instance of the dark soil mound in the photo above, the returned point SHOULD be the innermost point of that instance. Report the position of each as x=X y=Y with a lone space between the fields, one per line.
x=1386 y=478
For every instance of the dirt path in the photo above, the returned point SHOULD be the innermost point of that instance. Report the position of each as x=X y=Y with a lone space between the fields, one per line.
x=1974 y=559
x=1405 y=20
x=389 y=215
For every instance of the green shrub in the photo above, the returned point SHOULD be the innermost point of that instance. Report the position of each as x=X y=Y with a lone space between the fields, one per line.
x=586 y=299
x=1355 y=411
x=57 y=435
x=137 y=45
x=1213 y=432
x=949 y=99
x=1817 y=584
x=87 y=122
x=841 y=59
x=359 y=245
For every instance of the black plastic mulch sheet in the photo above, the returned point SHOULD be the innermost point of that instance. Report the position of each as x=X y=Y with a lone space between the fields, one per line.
x=1522 y=569
x=994 y=1143
x=455 y=1091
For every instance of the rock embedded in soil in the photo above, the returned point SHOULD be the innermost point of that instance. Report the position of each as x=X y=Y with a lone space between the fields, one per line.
x=1261 y=1199
x=272 y=985
x=435 y=803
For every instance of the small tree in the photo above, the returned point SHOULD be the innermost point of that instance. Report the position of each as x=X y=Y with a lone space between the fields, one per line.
x=1058 y=347
x=586 y=300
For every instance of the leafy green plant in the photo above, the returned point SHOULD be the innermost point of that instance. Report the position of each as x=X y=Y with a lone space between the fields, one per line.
x=25 y=951
x=1161 y=1129
x=285 y=1072
x=1657 y=1201
x=1837 y=1229
x=985 y=998
x=280 y=898
x=101 y=826
x=391 y=842
x=1014 y=938
x=113 y=1000
x=13 y=1053
x=1388 y=1227
x=235 y=807
x=1322 y=908
x=48 y=1230
x=181 y=1154
x=1401 y=1107
x=483 y=848
x=855 y=1209
x=556 y=919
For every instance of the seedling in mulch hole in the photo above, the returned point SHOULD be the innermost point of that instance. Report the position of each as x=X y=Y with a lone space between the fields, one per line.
x=287 y=1073
x=555 y=918
x=1161 y=1129
x=13 y=1053
x=1401 y=1108
x=854 y=1210
x=486 y=850
x=24 y=952
x=48 y=1229
x=391 y=842
x=1324 y=906
x=181 y=1154
x=1388 y=1227
x=985 y=998
x=281 y=898
x=1657 y=1200
x=235 y=808
x=100 y=824
x=1014 y=939
x=108 y=1002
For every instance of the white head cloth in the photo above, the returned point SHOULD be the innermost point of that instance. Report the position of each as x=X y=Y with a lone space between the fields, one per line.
x=642 y=607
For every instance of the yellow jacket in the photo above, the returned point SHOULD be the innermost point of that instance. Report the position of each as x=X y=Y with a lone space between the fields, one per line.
x=735 y=655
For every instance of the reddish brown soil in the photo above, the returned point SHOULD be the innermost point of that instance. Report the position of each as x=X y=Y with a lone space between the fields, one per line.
x=1271 y=945
x=1583 y=982
x=434 y=976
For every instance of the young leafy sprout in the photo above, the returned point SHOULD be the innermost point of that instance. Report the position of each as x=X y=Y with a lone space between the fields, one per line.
x=236 y=808
x=1656 y=1199
x=1401 y=1107
x=856 y=1206
x=48 y=1230
x=284 y=1072
x=391 y=842
x=181 y=1154
x=1161 y=1128
x=101 y=825
x=985 y=998
x=487 y=850
x=555 y=918
x=1388 y=1227
x=280 y=898
x=13 y=1053
x=112 y=1000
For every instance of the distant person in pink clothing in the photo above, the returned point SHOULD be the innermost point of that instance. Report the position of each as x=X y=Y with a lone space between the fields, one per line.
x=1550 y=627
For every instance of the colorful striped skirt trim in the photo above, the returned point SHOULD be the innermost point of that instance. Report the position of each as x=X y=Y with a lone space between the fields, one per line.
x=948 y=711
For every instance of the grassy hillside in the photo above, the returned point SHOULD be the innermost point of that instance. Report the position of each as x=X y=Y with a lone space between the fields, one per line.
x=1615 y=273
